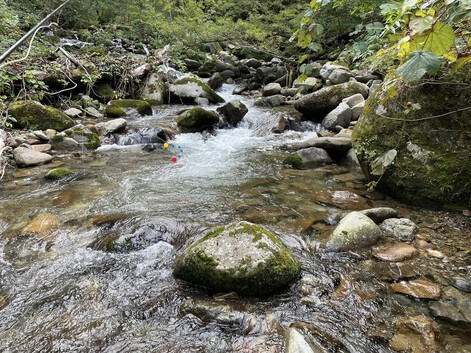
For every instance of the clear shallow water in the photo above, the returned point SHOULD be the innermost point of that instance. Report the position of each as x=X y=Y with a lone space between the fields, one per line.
x=71 y=292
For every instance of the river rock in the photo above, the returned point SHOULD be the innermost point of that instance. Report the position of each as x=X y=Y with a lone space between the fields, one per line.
x=41 y=148
x=354 y=100
x=73 y=112
x=154 y=89
x=61 y=142
x=340 y=116
x=31 y=114
x=112 y=126
x=142 y=107
x=269 y=102
x=395 y=253
x=26 y=157
x=197 y=120
x=357 y=110
x=296 y=342
x=310 y=84
x=417 y=334
x=113 y=111
x=456 y=311
x=216 y=80
x=379 y=214
x=241 y=257
x=42 y=225
x=354 y=231
x=318 y=104
x=335 y=73
x=187 y=89
x=271 y=89
x=86 y=138
x=233 y=112
x=93 y=112
x=314 y=157
x=401 y=228
x=418 y=289
x=463 y=284
x=424 y=178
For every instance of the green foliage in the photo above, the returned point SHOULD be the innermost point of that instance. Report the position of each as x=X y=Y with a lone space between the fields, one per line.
x=420 y=62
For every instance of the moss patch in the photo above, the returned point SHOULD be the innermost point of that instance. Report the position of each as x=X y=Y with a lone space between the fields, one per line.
x=29 y=114
x=113 y=111
x=141 y=106
x=294 y=160
x=59 y=173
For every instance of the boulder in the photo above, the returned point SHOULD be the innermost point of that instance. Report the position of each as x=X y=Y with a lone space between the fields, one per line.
x=241 y=257
x=31 y=114
x=340 y=116
x=154 y=89
x=142 y=107
x=357 y=110
x=379 y=214
x=328 y=70
x=314 y=157
x=354 y=100
x=351 y=161
x=233 y=112
x=271 y=89
x=340 y=75
x=310 y=84
x=318 y=104
x=433 y=163
x=197 y=120
x=62 y=143
x=270 y=102
x=354 y=231
x=113 y=111
x=216 y=80
x=401 y=228
x=110 y=127
x=187 y=89
x=26 y=157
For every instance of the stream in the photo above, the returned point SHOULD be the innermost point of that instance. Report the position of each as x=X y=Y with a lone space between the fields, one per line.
x=102 y=281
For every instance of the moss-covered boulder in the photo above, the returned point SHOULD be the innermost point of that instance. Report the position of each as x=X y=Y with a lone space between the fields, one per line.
x=113 y=111
x=34 y=115
x=142 y=107
x=430 y=128
x=84 y=136
x=59 y=173
x=197 y=120
x=315 y=106
x=241 y=257
x=187 y=89
x=104 y=92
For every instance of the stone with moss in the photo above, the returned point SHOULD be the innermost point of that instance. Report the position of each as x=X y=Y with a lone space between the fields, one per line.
x=113 y=111
x=104 y=92
x=187 y=89
x=294 y=160
x=59 y=173
x=34 y=115
x=241 y=257
x=84 y=136
x=433 y=163
x=154 y=90
x=315 y=106
x=142 y=107
x=197 y=120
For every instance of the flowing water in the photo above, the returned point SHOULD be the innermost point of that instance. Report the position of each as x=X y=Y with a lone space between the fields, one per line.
x=102 y=280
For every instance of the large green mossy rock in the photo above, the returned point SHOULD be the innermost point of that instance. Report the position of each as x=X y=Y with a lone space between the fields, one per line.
x=197 y=120
x=187 y=89
x=433 y=163
x=241 y=257
x=34 y=115
x=142 y=107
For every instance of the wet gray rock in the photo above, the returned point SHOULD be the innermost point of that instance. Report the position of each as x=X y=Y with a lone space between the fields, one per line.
x=296 y=342
x=314 y=157
x=271 y=89
x=463 y=284
x=320 y=103
x=216 y=80
x=270 y=102
x=340 y=116
x=456 y=311
x=233 y=112
x=379 y=214
x=26 y=157
x=241 y=257
x=354 y=231
x=401 y=228
x=63 y=143
x=112 y=126
x=240 y=88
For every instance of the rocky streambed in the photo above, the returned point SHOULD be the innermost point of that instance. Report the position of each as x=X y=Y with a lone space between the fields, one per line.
x=89 y=240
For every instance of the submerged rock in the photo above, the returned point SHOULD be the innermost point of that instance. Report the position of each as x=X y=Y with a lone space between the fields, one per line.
x=452 y=310
x=296 y=342
x=59 y=173
x=395 y=253
x=354 y=231
x=418 y=289
x=31 y=114
x=241 y=257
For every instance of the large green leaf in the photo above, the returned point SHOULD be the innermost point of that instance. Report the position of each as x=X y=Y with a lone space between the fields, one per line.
x=438 y=40
x=379 y=165
x=420 y=62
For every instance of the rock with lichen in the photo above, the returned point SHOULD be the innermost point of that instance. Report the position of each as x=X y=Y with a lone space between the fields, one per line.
x=241 y=257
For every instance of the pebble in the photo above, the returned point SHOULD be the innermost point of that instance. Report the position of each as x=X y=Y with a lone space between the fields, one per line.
x=418 y=289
